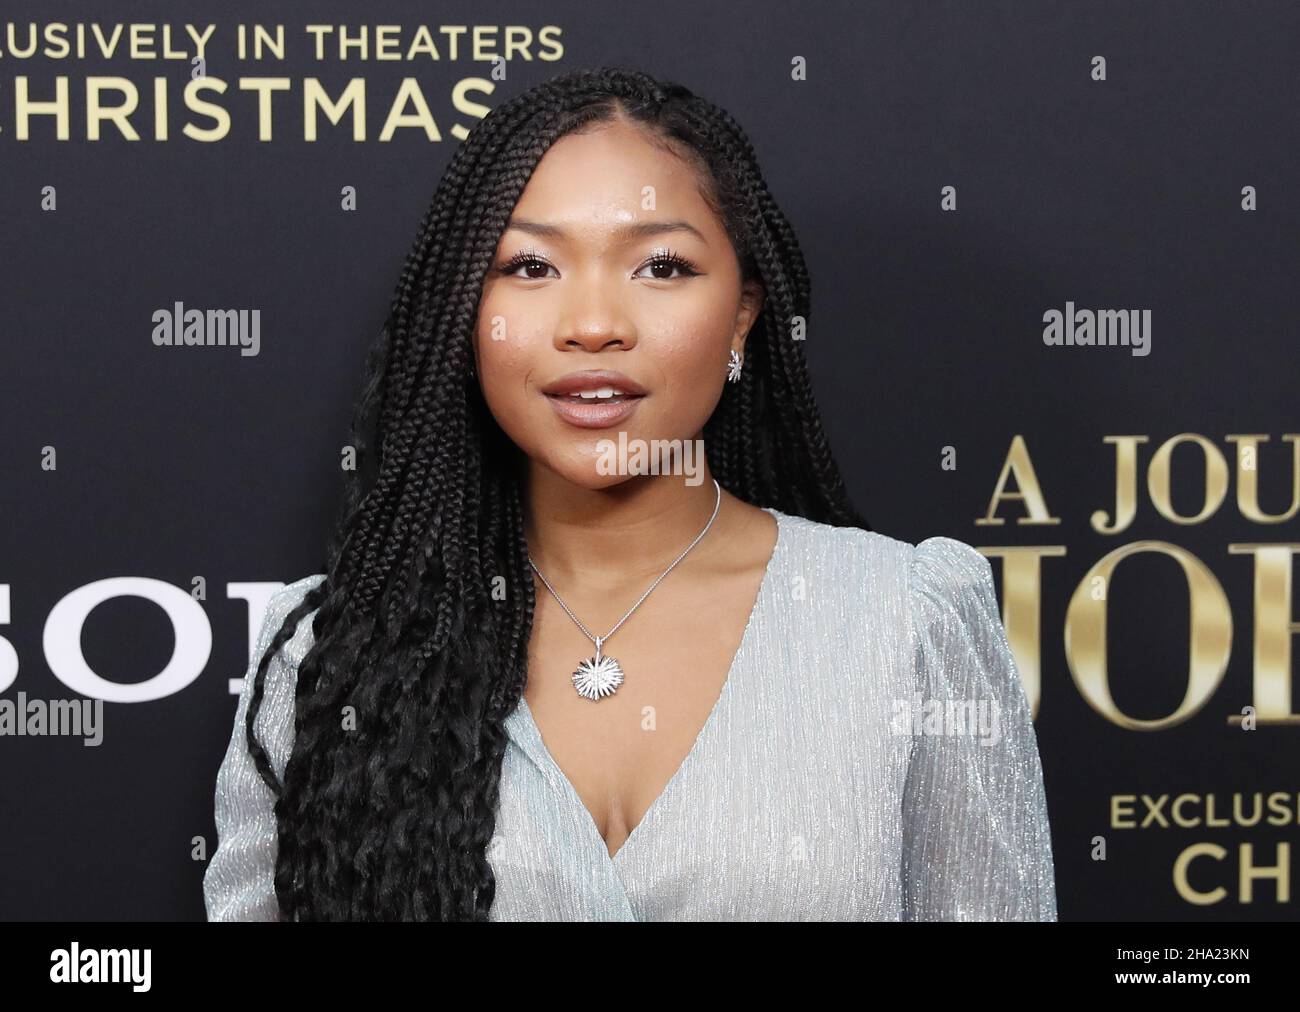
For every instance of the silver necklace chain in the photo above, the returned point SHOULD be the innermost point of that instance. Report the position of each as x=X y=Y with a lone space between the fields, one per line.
x=600 y=640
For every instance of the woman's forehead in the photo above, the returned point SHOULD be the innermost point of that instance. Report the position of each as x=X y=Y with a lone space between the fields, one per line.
x=606 y=182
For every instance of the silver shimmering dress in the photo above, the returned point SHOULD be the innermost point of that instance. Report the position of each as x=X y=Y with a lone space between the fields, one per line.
x=815 y=791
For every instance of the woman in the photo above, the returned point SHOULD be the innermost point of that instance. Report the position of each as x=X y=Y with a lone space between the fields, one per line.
x=451 y=737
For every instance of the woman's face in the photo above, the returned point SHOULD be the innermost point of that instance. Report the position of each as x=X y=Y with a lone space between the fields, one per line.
x=582 y=280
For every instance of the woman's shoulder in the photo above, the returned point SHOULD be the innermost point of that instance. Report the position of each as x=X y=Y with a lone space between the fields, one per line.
x=949 y=575
x=934 y=569
x=291 y=595
x=275 y=718
x=938 y=594
x=278 y=607
x=801 y=536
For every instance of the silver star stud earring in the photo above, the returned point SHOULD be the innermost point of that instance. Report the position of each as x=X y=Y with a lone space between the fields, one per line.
x=734 y=364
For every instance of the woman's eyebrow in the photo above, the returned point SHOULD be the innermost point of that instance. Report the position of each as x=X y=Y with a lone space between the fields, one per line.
x=633 y=230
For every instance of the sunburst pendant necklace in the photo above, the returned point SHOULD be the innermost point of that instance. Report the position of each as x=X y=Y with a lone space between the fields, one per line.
x=601 y=675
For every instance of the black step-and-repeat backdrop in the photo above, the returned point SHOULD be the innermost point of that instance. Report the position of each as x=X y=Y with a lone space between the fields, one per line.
x=1054 y=261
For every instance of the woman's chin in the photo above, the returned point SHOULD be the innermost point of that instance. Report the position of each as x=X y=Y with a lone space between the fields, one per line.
x=587 y=472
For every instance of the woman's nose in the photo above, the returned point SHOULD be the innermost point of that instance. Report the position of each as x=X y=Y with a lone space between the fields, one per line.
x=594 y=315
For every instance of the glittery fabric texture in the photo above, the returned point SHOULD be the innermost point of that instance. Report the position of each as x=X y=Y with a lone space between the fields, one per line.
x=826 y=784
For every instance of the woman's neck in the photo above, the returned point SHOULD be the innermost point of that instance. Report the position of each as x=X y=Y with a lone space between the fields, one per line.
x=633 y=529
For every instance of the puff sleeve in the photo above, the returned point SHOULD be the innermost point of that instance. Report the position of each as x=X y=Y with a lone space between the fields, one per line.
x=977 y=843
x=239 y=883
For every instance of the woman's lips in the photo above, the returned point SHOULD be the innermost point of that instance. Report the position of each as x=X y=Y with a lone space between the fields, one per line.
x=591 y=414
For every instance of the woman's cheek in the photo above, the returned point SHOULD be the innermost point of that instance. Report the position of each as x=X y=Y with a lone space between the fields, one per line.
x=500 y=334
x=507 y=370
x=687 y=360
x=695 y=333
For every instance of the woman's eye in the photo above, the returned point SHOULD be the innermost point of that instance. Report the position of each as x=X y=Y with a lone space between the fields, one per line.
x=664 y=266
x=533 y=269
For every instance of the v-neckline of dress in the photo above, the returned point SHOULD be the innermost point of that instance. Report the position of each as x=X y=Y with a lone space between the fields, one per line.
x=531 y=734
